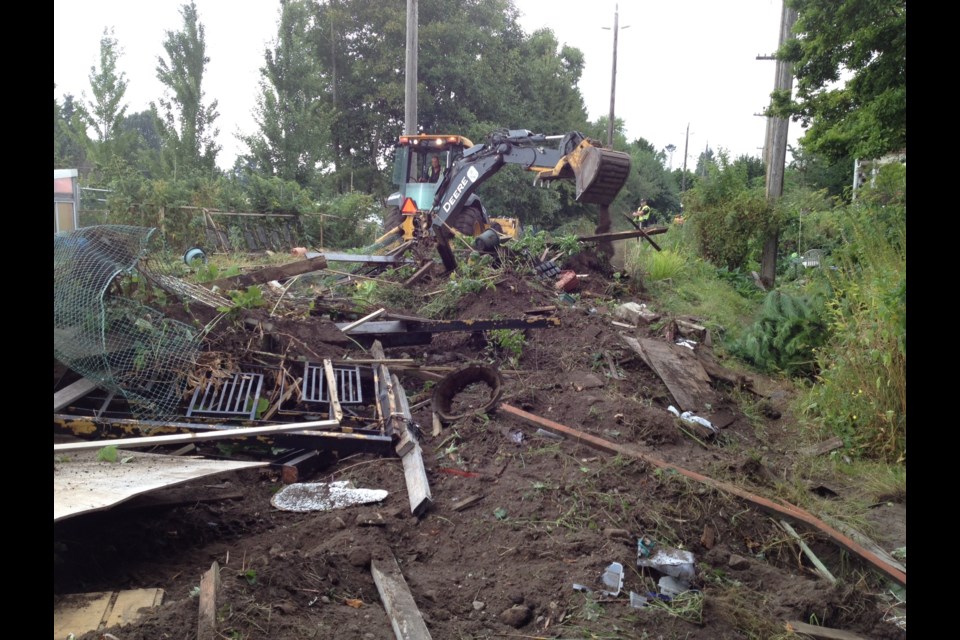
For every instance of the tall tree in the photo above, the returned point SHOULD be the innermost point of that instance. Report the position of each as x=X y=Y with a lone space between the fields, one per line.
x=109 y=86
x=187 y=126
x=849 y=58
x=294 y=122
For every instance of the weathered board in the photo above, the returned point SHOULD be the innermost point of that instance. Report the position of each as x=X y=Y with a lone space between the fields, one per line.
x=680 y=370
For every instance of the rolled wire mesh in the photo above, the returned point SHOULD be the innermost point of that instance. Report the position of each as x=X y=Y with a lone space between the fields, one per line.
x=102 y=332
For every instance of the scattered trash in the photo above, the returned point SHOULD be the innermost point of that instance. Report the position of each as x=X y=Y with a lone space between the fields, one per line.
x=516 y=437
x=672 y=587
x=567 y=281
x=613 y=579
x=543 y=433
x=668 y=561
x=638 y=601
x=192 y=254
x=691 y=418
x=582 y=587
x=644 y=546
x=684 y=342
x=322 y=496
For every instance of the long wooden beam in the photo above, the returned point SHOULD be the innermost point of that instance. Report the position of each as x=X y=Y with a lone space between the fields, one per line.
x=784 y=509
x=295 y=268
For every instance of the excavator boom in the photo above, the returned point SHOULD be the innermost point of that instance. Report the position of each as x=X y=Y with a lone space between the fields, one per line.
x=598 y=173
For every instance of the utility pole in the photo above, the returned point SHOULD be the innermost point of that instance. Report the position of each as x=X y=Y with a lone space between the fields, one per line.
x=613 y=80
x=683 y=176
x=410 y=88
x=776 y=149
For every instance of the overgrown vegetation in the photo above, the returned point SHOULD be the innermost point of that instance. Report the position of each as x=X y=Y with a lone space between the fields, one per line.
x=860 y=393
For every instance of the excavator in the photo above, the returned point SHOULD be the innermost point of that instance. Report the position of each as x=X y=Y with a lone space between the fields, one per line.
x=433 y=207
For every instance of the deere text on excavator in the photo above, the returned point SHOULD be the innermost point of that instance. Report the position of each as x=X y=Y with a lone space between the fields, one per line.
x=432 y=206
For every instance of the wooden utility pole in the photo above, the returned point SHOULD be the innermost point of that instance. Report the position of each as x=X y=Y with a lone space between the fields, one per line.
x=683 y=176
x=613 y=80
x=410 y=88
x=776 y=150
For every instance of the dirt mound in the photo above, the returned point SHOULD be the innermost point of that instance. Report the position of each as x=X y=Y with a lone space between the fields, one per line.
x=519 y=515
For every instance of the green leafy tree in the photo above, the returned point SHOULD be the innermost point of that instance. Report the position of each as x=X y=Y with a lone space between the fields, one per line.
x=109 y=86
x=849 y=59
x=187 y=125
x=69 y=134
x=294 y=122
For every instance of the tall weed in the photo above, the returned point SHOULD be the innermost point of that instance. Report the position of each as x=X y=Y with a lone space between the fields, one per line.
x=861 y=389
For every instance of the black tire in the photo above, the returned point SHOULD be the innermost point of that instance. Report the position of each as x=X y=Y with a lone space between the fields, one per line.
x=394 y=219
x=467 y=221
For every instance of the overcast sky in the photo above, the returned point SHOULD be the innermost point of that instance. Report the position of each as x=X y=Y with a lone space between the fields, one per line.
x=678 y=63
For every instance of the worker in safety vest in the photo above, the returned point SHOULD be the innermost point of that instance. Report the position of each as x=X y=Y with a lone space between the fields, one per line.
x=642 y=214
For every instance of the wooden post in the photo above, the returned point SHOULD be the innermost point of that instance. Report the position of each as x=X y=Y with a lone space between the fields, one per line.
x=209 y=589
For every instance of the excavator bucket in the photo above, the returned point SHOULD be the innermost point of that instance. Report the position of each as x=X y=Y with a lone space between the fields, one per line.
x=598 y=173
x=601 y=174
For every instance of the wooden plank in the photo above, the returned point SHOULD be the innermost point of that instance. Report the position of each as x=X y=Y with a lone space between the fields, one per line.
x=680 y=371
x=783 y=509
x=418 y=274
x=404 y=419
x=405 y=617
x=866 y=542
x=80 y=613
x=209 y=590
x=267 y=274
x=807 y=551
x=127 y=607
x=822 y=632
x=73 y=392
x=623 y=235
x=336 y=411
x=466 y=502
x=177 y=438
x=415 y=476
x=823 y=447
x=366 y=318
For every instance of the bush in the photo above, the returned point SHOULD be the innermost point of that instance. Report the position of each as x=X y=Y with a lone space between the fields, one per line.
x=785 y=337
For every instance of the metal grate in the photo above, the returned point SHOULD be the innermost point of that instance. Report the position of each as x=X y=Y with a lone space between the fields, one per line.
x=237 y=396
x=348 y=384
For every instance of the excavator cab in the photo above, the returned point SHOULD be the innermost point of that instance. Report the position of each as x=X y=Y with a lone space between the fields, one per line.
x=417 y=184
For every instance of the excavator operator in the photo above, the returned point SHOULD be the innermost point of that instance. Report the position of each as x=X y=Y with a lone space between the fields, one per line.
x=432 y=174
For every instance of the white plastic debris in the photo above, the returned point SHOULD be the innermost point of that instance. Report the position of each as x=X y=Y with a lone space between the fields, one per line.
x=690 y=418
x=671 y=562
x=322 y=496
x=672 y=587
x=689 y=344
x=613 y=579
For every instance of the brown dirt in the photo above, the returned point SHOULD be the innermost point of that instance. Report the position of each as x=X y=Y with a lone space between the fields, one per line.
x=551 y=514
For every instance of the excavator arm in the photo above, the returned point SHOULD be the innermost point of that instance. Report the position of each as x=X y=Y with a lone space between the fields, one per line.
x=599 y=173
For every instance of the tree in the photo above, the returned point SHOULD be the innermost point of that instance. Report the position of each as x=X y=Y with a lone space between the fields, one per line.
x=106 y=109
x=849 y=59
x=293 y=118
x=187 y=125
x=69 y=135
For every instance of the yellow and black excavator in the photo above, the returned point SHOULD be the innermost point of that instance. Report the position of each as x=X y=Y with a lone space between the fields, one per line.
x=433 y=205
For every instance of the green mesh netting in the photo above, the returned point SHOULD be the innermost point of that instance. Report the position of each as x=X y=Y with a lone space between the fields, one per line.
x=100 y=329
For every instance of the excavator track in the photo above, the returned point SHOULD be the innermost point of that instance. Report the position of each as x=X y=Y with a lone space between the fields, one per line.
x=600 y=175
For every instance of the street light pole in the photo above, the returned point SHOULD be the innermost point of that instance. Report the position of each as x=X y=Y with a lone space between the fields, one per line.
x=613 y=79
